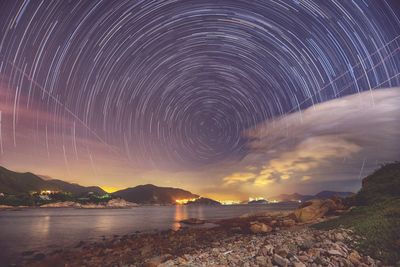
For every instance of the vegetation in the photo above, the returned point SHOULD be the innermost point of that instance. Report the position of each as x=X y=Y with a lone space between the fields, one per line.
x=376 y=215
x=38 y=199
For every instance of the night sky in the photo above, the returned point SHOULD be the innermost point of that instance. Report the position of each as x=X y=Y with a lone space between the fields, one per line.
x=228 y=99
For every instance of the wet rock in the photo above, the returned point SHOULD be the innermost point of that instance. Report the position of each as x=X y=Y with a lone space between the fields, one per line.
x=257 y=227
x=193 y=221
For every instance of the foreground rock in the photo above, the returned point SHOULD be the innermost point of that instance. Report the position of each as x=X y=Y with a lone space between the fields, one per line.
x=299 y=247
x=317 y=208
x=294 y=246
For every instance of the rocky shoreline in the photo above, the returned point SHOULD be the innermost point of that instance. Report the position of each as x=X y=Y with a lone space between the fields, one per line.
x=264 y=239
x=111 y=204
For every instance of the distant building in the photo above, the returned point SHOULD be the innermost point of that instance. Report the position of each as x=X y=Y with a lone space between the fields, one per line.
x=44 y=197
x=48 y=192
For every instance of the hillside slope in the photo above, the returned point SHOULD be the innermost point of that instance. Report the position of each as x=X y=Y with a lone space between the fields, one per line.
x=151 y=194
x=20 y=183
x=376 y=215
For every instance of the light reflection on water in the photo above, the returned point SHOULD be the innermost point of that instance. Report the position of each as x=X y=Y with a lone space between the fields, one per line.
x=44 y=229
x=180 y=214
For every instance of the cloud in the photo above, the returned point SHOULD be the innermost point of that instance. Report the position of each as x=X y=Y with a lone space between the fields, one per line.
x=338 y=140
x=307 y=155
x=238 y=177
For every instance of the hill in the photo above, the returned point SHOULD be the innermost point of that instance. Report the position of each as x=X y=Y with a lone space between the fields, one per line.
x=151 y=194
x=20 y=183
x=320 y=195
x=291 y=197
x=382 y=184
x=376 y=214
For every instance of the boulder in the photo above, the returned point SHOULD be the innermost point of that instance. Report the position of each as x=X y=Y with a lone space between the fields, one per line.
x=314 y=209
x=257 y=227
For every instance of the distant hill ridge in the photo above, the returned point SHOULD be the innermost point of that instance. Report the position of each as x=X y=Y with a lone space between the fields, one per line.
x=320 y=195
x=18 y=183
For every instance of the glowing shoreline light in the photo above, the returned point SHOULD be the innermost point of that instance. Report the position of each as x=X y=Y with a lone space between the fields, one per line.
x=256 y=198
x=185 y=200
x=229 y=202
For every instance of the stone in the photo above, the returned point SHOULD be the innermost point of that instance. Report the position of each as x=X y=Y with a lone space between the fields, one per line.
x=314 y=209
x=280 y=261
x=288 y=223
x=282 y=251
x=298 y=264
x=158 y=260
x=257 y=227
x=335 y=252
x=339 y=237
x=354 y=258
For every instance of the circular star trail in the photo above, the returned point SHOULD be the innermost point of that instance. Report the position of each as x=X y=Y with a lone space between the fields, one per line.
x=173 y=84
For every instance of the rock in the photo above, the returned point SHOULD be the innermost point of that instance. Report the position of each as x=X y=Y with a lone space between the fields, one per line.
x=193 y=221
x=298 y=264
x=335 y=252
x=306 y=244
x=120 y=203
x=288 y=223
x=339 y=237
x=282 y=251
x=280 y=260
x=314 y=209
x=257 y=227
x=354 y=258
x=267 y=250
x=157 y=261
x=65 y=204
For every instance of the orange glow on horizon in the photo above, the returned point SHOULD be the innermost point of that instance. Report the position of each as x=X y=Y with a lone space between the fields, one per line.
x=110 y=189
x=184 y=201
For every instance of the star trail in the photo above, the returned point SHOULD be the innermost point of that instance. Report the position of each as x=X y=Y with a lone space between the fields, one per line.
x=124 y=92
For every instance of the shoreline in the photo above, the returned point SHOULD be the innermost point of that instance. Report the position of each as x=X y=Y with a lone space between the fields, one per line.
x=261 y=239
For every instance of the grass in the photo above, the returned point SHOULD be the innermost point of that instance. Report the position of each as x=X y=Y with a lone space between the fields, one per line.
x=379 y=226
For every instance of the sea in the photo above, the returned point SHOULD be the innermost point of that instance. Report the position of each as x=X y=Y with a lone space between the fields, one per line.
x=39 y=230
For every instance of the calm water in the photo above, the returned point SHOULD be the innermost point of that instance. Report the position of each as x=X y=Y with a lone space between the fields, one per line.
x=48 y=229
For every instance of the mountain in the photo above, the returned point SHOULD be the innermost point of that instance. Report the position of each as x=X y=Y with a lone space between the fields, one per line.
x=320 y=195
x=330 y=194
x=151 y=194
x=18 y=183
x=75 y=189
x=291 y=197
